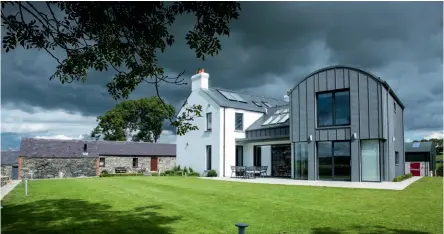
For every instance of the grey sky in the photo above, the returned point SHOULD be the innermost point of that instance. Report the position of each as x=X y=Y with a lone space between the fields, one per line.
x=272 y=46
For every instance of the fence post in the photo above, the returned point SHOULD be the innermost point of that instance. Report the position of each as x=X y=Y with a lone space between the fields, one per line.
x=241 y=227
x=26 y=187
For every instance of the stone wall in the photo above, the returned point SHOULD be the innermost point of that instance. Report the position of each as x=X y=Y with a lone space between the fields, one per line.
x=51 y=167
x=111 y=162
x=6 y=171
x=166 y=163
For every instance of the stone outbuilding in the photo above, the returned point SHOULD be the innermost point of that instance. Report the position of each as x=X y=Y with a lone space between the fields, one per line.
x=9 y=164
x=49 y=158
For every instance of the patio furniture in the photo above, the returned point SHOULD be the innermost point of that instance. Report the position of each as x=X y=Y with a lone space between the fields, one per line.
x=264 y=170
x=233 y=170
x=240 y=171
x=250 y=172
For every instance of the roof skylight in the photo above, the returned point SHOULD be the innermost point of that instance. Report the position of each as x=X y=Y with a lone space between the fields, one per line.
x=232 y=96
x=280 y=116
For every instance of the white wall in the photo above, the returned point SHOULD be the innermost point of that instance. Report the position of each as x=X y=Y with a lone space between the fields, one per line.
x=231 y=135
x=191 y=148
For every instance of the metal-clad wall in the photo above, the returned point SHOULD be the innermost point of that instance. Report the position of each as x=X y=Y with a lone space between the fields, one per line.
x=268 y=133
x=366 y=112
x=399 y=139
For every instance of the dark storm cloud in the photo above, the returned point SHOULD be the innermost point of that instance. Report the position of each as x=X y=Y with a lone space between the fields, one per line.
x=271 y=47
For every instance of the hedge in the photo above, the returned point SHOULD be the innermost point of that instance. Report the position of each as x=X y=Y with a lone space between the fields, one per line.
x=402 y=177
x=439 y=170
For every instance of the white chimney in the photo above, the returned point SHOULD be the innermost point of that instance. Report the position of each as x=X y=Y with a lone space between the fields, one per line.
x=286 y=98
x=200 y=80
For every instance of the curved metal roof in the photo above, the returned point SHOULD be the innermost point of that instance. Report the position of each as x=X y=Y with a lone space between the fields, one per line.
x=369 y=74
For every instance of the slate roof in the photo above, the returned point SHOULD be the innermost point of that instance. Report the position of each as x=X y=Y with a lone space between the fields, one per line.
x=131 y=148
x=258 y=123
x=216 y=96
x=426 y=146
x=31 y=147
x=9 y=157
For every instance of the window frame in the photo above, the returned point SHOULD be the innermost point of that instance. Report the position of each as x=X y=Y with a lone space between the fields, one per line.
x=137 y=162
x=333 y=108
x=332 y=155
x=235 y=121
x=208 y=157
x=239 y=157
x=100 y=161
x=257 y=155
x=396 y=158
x=209 y=126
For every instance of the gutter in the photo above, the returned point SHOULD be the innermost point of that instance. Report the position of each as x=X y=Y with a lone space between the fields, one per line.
x=223 y=154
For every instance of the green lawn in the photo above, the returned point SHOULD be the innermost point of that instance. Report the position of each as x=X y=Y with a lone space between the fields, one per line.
x=155 y=205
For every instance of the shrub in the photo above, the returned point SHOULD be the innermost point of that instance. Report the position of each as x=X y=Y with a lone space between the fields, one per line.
x=178 y=173
x=154 y=173
x=104 y=172
x=193 y=174
x=439 y=170
x=169 y=172
x=211 y=173
x=162 y=174
x=185 y=170
x=402 y=177
x=190 y=170
x=141 y=170
x=121 y=174
x=176 y=168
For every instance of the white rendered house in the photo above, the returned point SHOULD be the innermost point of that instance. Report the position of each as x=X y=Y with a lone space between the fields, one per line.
x=220 y=141
x=337 y=123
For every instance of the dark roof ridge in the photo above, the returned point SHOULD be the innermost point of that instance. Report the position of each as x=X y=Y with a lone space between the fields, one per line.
x=233 y=91
x=98 y=141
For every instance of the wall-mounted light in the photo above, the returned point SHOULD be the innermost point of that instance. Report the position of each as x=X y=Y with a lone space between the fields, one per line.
x=394 y=139
x=354 y=136
x=310 y=138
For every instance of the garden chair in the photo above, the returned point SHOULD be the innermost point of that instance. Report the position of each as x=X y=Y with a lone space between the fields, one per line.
x=233 y=170
x=264 y=171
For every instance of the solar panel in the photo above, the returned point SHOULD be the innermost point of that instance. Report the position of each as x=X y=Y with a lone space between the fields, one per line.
x=227 y=95
x=268 y=120
x=237 y=97
x=416 y=144
x=286 y=117
x=257 y=104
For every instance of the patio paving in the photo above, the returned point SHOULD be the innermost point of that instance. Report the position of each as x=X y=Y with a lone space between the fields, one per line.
x=339 y=184
x=8 y=188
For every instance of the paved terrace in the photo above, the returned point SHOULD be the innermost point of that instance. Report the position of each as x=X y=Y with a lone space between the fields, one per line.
x=338 y=184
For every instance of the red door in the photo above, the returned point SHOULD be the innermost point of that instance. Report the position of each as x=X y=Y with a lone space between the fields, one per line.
x=415 y=168
x=153 y=164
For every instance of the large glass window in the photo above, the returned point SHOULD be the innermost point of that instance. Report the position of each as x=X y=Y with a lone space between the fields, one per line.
x=281 y=160
x=333 y=108
x=341 y=160
x=301 y=161
x=370 y=164
x=257 y=159
x=239 y=155
x=334 y=160
x=325 y=160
